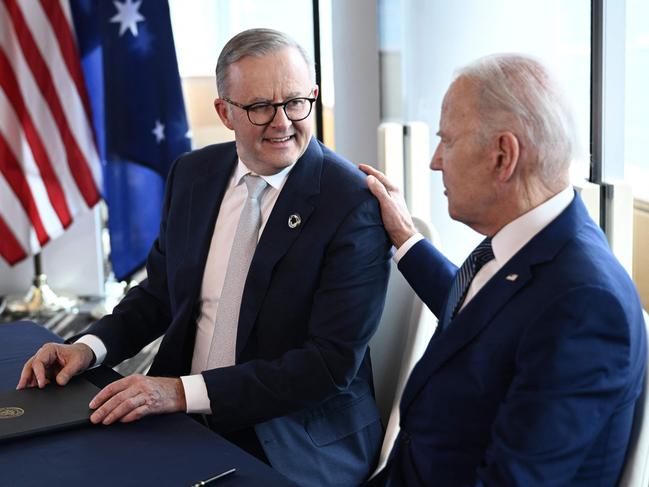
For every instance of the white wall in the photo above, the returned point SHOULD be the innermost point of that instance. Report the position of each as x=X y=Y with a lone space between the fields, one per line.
x=356 y=79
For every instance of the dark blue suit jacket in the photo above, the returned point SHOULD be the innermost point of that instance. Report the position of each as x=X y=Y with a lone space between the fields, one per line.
x=534 y=382
x=312 y=300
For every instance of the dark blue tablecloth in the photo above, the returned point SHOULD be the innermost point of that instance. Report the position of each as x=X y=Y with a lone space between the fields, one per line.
x=171 y=449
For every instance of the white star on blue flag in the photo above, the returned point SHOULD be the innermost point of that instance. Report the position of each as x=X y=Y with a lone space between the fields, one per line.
x=127 y=16
x=141 y=122
x=159 y=131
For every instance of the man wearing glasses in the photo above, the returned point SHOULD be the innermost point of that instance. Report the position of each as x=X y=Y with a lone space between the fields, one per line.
x=267 y=281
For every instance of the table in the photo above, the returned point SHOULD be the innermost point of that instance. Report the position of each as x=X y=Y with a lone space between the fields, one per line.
x=163 y=450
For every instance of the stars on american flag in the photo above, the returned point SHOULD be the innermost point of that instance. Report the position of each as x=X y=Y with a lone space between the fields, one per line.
x=127 y=16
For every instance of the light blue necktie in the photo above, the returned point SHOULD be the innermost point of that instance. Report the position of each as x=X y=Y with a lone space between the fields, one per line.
x=482 y=254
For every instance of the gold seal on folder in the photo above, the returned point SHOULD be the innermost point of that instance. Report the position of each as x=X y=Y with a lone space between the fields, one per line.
x=11 y=412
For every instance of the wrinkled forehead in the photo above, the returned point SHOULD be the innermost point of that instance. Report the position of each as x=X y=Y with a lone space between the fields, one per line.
x=286 y=59
x=461 y=101
x=277 y=71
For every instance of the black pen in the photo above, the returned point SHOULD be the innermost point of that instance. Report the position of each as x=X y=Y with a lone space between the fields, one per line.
x=216 y=477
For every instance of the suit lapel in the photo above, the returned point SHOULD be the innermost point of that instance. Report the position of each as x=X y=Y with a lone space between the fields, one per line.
x=206 y=195
x=497 y=292
x=476 y=316
x=297 y=198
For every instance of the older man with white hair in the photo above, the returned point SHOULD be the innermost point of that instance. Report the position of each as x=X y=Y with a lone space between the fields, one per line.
x=533 y=374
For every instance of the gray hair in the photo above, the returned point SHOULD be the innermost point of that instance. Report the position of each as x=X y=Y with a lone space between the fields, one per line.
x=257 y=43
x=518 y=93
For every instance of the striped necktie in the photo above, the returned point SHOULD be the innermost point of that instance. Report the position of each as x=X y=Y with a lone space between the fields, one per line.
x=482 y=254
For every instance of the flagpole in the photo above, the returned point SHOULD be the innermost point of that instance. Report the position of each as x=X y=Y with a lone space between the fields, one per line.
x=40 y=299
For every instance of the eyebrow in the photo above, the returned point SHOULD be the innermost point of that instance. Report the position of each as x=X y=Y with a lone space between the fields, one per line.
x=290 y=96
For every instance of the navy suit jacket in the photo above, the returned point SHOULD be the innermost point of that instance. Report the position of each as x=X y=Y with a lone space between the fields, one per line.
x=534 y=382
x=312 y=300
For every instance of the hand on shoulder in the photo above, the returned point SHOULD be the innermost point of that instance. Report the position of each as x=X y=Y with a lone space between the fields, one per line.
x=394 y=211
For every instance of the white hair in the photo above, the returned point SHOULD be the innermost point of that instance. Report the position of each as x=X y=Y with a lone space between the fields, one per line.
x=518 y=93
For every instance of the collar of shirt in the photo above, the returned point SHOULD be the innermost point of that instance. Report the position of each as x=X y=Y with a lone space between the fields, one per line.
x=275 y=181
x=513 y=236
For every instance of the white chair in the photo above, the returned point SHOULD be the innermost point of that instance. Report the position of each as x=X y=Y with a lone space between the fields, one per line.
x=636 y=465
x=404 y=331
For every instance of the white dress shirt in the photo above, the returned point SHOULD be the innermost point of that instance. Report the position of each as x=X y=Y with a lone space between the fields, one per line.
x=215 y=268
x=509 y=240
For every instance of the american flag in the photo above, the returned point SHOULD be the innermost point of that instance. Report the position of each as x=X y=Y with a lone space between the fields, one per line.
x=66 y=67
x=50 y=170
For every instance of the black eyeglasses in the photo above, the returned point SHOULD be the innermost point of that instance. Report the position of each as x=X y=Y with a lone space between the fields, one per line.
x=296 y=109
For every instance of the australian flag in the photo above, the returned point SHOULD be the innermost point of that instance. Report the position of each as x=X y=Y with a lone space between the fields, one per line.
x=129 y=62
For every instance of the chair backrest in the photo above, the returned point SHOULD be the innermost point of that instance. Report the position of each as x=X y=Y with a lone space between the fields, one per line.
x=636 y=465
x=404 y=331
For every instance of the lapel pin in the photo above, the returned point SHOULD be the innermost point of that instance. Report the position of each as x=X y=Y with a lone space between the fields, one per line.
x=294 y=220
x=512 y=277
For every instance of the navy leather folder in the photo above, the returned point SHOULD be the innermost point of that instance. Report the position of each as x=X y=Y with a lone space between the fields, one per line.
x=34 y=411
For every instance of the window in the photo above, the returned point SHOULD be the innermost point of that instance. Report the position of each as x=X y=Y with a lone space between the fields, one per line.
x=636 y=135
x=428 y=40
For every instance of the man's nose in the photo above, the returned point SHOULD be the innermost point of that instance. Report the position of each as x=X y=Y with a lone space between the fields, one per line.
x=436 y=162
x=280 y=119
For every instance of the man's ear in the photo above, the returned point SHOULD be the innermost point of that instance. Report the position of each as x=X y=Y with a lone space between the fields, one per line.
x=507 y=155
x=315 y=91
x=225 y=114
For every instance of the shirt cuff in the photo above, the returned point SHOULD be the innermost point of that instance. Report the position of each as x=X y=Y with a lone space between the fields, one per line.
x=407 y=245
x=97 y=347
x=196 y=394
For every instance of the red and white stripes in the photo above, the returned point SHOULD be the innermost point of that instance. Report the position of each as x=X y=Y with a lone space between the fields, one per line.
x=49 y=167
